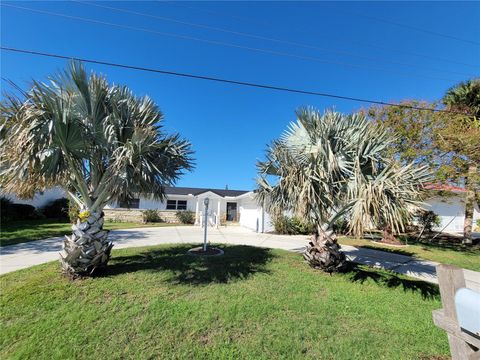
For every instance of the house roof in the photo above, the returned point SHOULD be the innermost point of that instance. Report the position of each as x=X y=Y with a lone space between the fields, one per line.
x=170 y=190
x=445 y=187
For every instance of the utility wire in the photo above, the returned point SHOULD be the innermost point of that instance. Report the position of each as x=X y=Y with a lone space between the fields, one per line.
x=221 y=43
x=411 y=27
x=373 y=46
x=228 y=81
x=265 y=38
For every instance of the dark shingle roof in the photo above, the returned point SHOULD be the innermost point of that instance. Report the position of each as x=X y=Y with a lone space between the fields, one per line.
x=170 y=190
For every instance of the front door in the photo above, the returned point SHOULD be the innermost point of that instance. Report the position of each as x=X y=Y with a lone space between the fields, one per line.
x=231 y=211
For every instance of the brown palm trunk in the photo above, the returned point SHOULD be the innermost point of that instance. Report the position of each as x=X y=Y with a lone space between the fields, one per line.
x=388 y=236
x=323 y=252
x=469 y=206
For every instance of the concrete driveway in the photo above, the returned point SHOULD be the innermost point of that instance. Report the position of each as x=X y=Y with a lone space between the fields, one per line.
x=24 y=255
x=15 y=257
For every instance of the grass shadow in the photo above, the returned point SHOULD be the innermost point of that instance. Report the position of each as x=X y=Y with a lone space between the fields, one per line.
x=442 y=241
x=238 y=262
x=389 y=250
x=360 y=274
x=430 y=241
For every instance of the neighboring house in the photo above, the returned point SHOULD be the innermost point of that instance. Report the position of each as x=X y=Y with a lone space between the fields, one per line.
x=448 y=202
x=225 y=206
x=40 y=199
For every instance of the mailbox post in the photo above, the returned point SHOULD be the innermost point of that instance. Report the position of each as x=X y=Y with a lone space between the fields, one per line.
x=205 y=224
x=464 y=343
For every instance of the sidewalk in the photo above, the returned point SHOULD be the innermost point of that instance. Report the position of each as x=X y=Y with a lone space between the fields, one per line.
x=406 y=265
x=24 y=255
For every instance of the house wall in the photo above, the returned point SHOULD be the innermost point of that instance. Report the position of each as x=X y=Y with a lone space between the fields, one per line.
x=40 y=199
x=152 y=204
x=451 y=210
x=135 y=215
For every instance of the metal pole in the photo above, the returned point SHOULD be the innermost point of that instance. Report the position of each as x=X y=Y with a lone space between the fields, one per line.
x=205 y=223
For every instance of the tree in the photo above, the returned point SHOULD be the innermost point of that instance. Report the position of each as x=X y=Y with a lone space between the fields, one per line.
x=328 y=166
x=99 y=142
x=461 y=136
x=415 y=129
x=446 y=142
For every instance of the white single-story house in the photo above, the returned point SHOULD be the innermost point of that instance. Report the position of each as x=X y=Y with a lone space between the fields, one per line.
x=231 y=206
x=240 y=206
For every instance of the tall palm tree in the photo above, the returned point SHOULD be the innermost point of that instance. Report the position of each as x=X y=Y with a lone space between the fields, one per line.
x=99 y=142
x=328 y=166
x=462 y=136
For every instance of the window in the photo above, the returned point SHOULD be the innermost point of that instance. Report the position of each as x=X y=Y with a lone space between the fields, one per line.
x=176 y=204
x=181 y=205
x=132 y=204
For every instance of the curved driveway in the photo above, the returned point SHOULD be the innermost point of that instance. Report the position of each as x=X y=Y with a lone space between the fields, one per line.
x=24 y=255
x=15 y=257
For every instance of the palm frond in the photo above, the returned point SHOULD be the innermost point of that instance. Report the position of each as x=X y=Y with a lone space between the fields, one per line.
x=79 y=132
x=330 y=165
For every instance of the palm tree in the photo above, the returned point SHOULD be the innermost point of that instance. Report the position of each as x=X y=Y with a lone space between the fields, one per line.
x=329 y=166
x=99 y=142
x=462 y=136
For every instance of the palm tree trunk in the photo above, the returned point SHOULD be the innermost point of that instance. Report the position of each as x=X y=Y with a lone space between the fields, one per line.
x=323 y=252
x=87 y=250
x=469 y=206
x=388 y=236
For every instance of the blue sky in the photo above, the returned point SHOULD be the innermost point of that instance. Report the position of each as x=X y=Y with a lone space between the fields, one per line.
x=387 y=51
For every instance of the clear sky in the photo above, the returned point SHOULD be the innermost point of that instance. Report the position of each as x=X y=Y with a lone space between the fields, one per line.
x=387 y=51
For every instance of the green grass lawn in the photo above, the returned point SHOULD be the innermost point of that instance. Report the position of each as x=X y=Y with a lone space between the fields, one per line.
x=251 y=303
x=461 y=257
x=17 y=232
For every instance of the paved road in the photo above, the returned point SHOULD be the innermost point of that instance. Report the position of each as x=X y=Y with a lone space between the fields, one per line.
x=24 y=255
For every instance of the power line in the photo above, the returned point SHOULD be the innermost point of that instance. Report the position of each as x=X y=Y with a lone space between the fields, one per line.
x=221 y=13
x=221 y=43
x=261 y=37
x=228 y=81
x=411 y=27
x=373 y=46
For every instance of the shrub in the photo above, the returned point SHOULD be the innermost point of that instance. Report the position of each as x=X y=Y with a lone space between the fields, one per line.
x=56 y=209
x=186 y=217
x=151 y=216
x=292 y=226
x=73 y=211
x=24 y=212
x=280 y=224
x=478 y=224
x=428 y=219
x=341 y=226
x=5 y=204
x=11 y=211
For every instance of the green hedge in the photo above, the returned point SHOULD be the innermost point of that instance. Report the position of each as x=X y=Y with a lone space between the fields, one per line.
x=56 y=209
x=186 y=217
x=151 y=216
x=292 y=226
x=10 y=211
